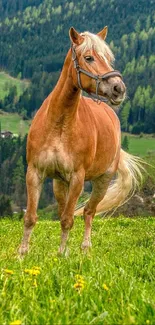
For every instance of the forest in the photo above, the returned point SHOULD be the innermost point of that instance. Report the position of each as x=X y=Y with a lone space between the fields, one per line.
x=33 y=43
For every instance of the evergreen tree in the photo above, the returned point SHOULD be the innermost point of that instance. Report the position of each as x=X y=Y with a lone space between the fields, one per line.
x=5 y=206
x=125 y=143
x=124 y=115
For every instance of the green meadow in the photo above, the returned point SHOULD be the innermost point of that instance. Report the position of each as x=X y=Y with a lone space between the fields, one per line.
x=14 y=123
x=112 y=284
x=140 y=146
x=6 y=81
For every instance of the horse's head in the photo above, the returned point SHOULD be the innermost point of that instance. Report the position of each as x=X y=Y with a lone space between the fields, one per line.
x=92 y=70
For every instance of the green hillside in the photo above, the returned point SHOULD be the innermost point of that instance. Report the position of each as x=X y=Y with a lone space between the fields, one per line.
x=7 y=82
x=14 y=123
x=34 y=42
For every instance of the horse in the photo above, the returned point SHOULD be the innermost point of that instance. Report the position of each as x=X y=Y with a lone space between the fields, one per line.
x=74 y=138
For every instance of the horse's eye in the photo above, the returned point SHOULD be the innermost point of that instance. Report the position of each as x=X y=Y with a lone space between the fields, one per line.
x=89 y=58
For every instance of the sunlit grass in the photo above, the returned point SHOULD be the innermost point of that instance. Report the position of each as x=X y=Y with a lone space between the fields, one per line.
x=140 y=146
x=113 y=284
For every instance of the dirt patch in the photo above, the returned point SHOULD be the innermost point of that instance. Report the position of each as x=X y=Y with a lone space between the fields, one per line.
x=141 y=204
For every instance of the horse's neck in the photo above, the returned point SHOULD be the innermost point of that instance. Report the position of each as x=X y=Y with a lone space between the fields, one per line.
x=65 y=96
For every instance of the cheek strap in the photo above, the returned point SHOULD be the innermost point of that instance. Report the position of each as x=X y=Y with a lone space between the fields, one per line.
x=98 y=78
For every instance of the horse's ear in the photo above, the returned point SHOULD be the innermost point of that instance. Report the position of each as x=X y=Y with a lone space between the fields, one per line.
x=75 y=37
x=103 y=33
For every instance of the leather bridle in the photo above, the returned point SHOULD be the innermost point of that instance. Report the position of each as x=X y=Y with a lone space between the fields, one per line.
x=98 y=78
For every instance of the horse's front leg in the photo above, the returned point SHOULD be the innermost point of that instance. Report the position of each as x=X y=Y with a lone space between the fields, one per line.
x=67 y=217
x=33 y=183
x=60 y=189
x=100 y=186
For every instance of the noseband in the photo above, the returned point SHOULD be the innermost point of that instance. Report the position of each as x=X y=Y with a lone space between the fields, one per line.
x=97 y=78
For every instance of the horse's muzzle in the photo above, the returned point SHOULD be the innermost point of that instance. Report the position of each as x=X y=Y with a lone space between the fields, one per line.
x=118 y=91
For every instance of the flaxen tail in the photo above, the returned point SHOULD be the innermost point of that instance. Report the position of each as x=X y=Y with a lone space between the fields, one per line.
x=128 y=180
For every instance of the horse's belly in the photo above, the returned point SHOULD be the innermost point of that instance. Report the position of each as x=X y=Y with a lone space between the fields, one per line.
x=96 y=170
x=55 y=163
x=102 y=162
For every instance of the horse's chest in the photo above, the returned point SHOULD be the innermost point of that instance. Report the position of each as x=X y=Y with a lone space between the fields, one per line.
x=56 y=162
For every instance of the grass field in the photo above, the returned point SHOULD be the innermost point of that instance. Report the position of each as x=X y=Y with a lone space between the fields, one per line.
x=140 y=146
x=14 y=123
x=113 y=284
x=6 y=81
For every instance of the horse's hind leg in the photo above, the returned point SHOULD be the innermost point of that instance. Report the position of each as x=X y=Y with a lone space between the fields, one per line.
x=99 y=188
x=33 y=182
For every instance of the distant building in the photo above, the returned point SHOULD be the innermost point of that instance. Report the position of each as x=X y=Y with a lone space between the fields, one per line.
x=6 y=134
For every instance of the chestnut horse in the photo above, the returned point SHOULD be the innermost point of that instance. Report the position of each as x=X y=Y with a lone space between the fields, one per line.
x=72 y=139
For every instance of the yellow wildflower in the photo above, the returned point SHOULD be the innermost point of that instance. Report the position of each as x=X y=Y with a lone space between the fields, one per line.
x=79 y=277
x=8 y=271
x=32 y=271
x=16 y=322
x=36 y=268
x=27 y=271
x=147 y=321
x=79 y=286
x=105 y=287
x=35 y=272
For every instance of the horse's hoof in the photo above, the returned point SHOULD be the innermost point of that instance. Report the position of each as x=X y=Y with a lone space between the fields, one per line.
x=23 y=250
x=63 y=252
x=86 y=246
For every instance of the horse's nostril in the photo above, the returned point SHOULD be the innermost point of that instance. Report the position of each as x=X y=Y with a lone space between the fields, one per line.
x=117 y=89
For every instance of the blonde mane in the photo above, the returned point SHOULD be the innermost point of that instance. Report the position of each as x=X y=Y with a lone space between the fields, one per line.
x=92 y=41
